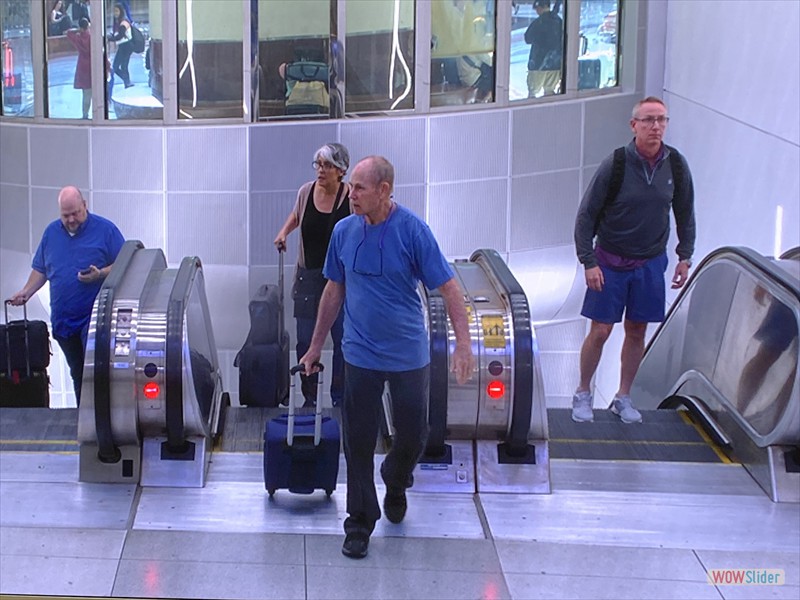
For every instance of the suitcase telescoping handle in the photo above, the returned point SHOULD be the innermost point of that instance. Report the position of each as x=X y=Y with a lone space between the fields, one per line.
x=281 y=323
x=8 y=338
x=318 y=412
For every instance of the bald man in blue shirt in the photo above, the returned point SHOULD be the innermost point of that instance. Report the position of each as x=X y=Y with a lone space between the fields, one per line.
x=75 y=255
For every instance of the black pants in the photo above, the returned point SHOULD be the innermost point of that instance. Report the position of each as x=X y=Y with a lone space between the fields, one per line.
x=361 y=417
x=121 y=60
x=73 y=348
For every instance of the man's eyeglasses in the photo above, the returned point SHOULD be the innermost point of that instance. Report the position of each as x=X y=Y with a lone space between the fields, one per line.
x=365 y=260
x=650 y=121
x=323 y=165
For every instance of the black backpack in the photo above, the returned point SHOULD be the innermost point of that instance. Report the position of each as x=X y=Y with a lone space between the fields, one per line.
x=137 y=39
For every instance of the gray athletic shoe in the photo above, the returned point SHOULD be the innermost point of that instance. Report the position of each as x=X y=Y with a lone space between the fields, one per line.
x=582 y=407
x=623 y=407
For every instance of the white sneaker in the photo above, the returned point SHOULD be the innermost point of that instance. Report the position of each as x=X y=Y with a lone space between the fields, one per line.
x=623 y=407
x=582 y=407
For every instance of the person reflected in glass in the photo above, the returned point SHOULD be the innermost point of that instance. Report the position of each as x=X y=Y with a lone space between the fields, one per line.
x=81 y=40
x=123 y=37
x=320 y=204
x=59 y=21
x=80 y=10
x=776 y=334
x=546 y=37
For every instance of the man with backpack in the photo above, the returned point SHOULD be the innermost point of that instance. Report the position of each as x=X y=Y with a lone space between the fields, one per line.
x=625 y=212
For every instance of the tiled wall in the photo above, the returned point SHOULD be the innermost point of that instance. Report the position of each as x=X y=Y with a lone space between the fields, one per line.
x=505 y=179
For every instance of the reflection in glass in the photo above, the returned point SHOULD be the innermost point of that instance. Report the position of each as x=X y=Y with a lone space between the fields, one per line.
x=210 y=47
x=69 y=63
x=537 y=49
x=295 y=73
x=133 y=65
x=380 y=55
x=599 y=44
x=462 y=51
x=768 y=376
x=17 y=50
x=201 y=356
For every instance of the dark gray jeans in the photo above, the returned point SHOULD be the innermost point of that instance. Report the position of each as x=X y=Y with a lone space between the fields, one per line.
x=361 y=417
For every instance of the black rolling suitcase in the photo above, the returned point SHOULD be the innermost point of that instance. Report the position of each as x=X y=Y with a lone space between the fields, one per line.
x=24 y=358
x=301 y=452
x=263 y=361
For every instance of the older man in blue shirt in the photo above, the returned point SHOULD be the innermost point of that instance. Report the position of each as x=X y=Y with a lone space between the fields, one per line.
x=75 y=255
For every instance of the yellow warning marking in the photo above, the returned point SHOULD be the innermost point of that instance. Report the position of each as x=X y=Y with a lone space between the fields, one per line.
x=493 y=331
x=684 y=414
x=631 y=442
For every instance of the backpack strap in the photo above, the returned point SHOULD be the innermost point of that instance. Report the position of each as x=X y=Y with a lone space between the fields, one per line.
x=617 y=175
x=676 y=164
x=614 y=185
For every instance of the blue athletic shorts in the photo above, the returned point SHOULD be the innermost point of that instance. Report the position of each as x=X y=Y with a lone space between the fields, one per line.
x=640 y=293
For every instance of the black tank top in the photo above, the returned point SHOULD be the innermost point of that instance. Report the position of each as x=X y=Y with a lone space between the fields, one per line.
x=317 y=227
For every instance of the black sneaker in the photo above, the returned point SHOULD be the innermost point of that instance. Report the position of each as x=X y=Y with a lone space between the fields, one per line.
x=355 y=545
x=394 y=504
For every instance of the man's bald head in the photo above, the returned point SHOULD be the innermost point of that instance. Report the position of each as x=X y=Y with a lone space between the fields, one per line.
x=72 y=207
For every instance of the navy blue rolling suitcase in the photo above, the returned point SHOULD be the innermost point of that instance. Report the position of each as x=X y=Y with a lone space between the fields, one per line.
x=263 y=361
x=301 y=452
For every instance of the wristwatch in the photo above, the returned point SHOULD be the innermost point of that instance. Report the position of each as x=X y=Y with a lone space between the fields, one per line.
x=687 y=262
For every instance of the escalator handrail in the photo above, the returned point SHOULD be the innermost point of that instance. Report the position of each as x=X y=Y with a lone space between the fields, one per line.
x=176 y=307
x=791 y=254
x=755 y=259
x=522 y=403
x=107 y=450
x=439 y=374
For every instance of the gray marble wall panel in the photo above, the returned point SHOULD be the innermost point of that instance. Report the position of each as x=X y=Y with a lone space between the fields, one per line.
x=281 y=154
x=14 y=218
x=14 y=155
x=545 y=138
x=139 y=215
x=226 y=291
x=268 y=212
x=466 y=216
x=212 y=226
x=543 y=209
x=44 y=210
x=468 y=146
x=207 y=159
x=61 y=156
x=128 y=159
x=401 y=141
x=606 y=125
x=413 y=198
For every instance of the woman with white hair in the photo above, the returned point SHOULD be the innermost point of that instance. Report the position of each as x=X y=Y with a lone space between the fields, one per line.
x=320 y=204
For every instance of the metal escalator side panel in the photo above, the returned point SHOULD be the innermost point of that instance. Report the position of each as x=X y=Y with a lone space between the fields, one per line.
x=439 y=374
x=202 y=380
x=471 y=414
x=176 y=307
x=100 y=404
x=528 y=416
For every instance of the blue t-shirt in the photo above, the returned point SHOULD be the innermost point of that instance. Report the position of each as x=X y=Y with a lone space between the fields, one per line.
x=60 y=256
x=381 y=266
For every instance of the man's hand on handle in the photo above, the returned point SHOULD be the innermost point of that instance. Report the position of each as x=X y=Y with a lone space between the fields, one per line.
x=462 y=363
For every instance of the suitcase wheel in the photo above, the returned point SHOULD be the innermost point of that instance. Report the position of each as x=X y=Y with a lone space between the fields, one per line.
x=328 y=493
x=271 y=493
